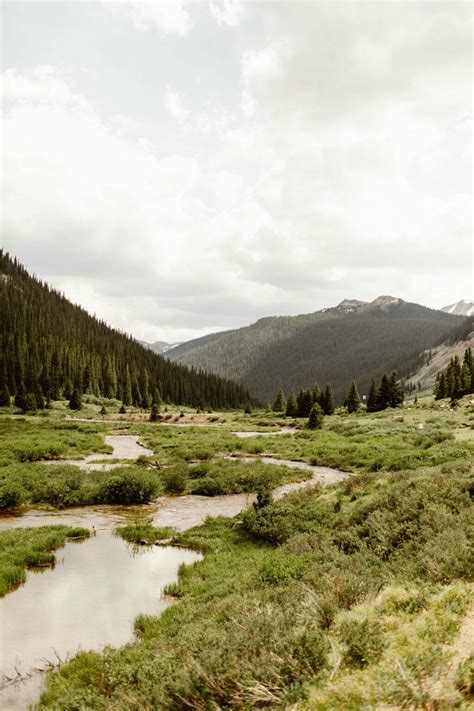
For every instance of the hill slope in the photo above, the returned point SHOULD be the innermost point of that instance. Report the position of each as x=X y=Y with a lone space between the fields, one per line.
x=53 y=346
x=437 y=359
x=353 y=340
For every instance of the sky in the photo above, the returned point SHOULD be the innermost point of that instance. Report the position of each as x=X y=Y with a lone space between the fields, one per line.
x=179 y=168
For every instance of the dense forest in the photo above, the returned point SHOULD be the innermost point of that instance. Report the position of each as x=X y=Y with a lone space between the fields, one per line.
x=335 y=345
x=50 y=347
x=458 y=378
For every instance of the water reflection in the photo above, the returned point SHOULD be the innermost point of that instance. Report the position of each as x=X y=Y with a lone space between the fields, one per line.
x=88 y=601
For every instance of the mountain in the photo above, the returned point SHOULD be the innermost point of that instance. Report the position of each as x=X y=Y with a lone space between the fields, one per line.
x=353 y=340
x=460 y=308
x=159 y=346
x=437 y=359
x=50 y=346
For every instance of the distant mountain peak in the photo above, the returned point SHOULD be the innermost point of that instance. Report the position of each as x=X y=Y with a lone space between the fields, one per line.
x=350 y=304
x=460 y=308
x=386 y=301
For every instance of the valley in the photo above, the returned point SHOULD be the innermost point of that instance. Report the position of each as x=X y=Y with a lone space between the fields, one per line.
x=267 y=538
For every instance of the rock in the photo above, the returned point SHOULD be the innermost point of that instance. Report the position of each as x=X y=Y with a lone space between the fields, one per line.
x=420 y=426
x=398 y=418
x=164 y=542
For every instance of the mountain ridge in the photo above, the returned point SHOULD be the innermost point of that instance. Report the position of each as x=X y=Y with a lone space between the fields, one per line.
x=294 y=351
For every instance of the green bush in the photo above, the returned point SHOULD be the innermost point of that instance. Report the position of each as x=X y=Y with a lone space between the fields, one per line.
x=363 y=640
x=175 y=481
x=128 y=488
x=10 y=497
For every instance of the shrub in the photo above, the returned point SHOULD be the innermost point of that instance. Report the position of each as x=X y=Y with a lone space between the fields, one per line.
x=209 y=487
x=127 y=488
x=281 y=568
x=10 y=497
x=363 y=639
x=311 y=651
x=175 y=481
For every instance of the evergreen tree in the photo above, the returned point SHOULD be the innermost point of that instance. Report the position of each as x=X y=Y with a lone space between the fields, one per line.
x=30 y=403
x=20 y=396
x=39 y=397
x=372 y=405
x=328 y=405
x=316 y=417
x=4 y=396
x=75 y=403
x=127 y=392
x=292 y=406
x=122 y=410
x=352 y=402
x=280 y=402
x=154 y=413
x=384 y=393
x=396 y=391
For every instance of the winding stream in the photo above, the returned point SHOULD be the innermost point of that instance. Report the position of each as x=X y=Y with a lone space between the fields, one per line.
x=124 y=447
x=97 y=588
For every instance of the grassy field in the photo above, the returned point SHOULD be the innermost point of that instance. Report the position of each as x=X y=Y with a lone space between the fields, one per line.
x=347 y=597
x=23 y=548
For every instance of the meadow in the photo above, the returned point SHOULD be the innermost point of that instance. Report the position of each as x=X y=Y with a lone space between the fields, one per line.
x=349 y=597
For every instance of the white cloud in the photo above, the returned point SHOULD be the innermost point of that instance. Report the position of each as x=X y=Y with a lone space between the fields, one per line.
x=347 y=174
x=174 y=105
x=168 y=16
x=227 y=12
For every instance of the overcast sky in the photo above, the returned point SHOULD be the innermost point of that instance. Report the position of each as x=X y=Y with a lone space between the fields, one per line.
x=179 y=168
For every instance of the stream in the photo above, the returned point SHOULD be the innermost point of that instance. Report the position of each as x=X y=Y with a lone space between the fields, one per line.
x=97 y=587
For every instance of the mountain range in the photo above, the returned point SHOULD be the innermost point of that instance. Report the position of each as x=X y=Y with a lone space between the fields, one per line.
x=353 y=340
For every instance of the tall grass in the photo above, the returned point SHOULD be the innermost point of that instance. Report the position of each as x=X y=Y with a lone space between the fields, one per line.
x=23 y=548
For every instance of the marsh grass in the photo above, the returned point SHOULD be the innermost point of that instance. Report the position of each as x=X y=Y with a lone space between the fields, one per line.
x=62 y=486
x=29 y=439
x=23 y=548
x=301 y=599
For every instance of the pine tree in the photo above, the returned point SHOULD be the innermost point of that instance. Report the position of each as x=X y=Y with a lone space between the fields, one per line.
x=396 y=391
x=20 y=396
x=292 y=406
x=316 y=417
x=154 y=413
x=372 y=398
x=30 y=403
x=384 y=393
x=4 y=396
x=352 y=402
x=329 y=406
x=75 y=403
x=280 y=402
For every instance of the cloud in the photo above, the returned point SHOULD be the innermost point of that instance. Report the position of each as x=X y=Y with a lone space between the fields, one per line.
x=346 y=174
x=168 y=16
x=174 y=106
x=227 y=12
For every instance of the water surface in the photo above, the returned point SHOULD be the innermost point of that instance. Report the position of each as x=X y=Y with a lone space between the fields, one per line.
x=89 y=600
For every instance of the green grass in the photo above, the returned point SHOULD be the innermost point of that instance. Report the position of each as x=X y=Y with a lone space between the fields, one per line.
x=22 y=548
x=336 y=598
x=282 y=589
x=29 y=439
x=64 y=485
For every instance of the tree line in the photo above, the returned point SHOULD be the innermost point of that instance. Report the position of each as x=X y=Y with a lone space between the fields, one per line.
x=50 y=348
x=314 y=403
x=457 y=379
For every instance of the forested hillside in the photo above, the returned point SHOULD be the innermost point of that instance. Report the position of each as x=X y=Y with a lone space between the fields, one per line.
x=50 y=346
x=352 y=341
